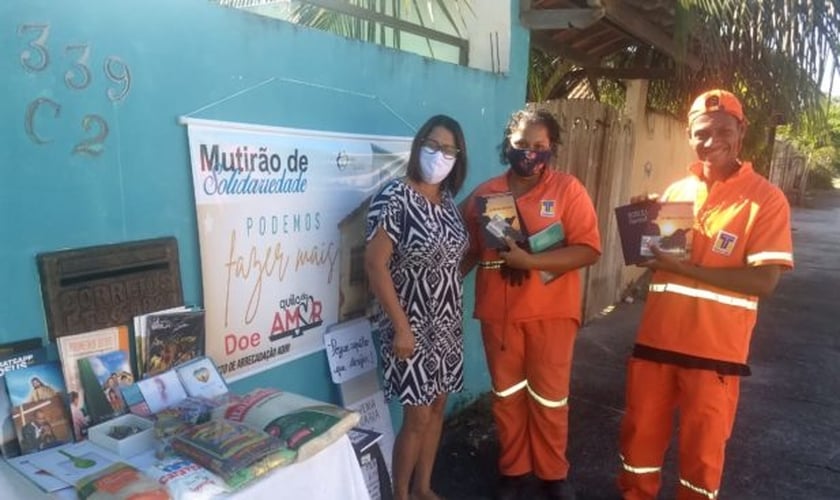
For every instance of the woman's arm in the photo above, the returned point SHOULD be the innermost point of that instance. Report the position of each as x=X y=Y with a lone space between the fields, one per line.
x=377 y=255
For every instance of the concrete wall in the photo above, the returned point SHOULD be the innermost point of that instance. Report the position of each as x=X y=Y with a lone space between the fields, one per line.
x=65 y=83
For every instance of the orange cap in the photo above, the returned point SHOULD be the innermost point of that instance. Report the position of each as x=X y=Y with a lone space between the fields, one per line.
x=716 y=100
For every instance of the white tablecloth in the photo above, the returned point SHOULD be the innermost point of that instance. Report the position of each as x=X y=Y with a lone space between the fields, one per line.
x=332 y=474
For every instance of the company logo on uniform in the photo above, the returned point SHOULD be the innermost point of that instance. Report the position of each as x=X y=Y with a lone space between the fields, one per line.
x=724 y=243
x=547 y=208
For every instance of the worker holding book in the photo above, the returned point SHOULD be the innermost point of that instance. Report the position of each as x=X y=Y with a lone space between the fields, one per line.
x=531 y=229
x=692 y=345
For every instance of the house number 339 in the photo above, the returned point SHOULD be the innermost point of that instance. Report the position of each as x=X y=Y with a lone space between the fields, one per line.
x=35 y=57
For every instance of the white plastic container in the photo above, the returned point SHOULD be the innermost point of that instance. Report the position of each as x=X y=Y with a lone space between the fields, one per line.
x=130 y=445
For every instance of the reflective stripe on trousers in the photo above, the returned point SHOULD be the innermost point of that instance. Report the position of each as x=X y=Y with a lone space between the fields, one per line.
x=700 y=293
x=711 y=495
x=638 y=470
x=541 y=400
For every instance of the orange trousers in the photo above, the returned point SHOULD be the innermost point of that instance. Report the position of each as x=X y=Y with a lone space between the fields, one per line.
x=706 y=402
x=529 y=364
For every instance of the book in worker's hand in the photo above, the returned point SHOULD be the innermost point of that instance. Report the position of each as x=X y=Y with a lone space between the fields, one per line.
x=666 y=225
x=551 y=237
x=498 y=220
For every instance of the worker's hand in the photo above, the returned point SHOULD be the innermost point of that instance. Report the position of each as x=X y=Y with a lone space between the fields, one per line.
x=663 y=261
x=403 y=343
x=514 y=277
x=644 y=197
x=515 y=257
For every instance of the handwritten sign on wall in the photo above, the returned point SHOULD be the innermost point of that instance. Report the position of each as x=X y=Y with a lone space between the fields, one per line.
x=350 y=349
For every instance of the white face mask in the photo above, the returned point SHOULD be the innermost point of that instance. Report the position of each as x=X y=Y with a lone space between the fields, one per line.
x=434 y=167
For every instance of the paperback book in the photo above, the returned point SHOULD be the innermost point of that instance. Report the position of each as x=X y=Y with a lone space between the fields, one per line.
x=666 y=225
x=71 y=349
x=551 y=237
x=141 y=338
x=102 y=376
x=10 y=361
x=498 y=219
x=173 y=338
x=37 y=395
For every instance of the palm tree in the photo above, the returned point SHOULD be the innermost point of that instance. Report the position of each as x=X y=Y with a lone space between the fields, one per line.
x=318 y=15
x=773 y=53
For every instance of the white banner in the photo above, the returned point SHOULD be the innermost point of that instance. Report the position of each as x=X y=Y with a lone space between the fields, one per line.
x=281 y=220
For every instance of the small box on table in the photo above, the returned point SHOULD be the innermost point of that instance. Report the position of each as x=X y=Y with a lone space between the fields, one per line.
x=126 y=435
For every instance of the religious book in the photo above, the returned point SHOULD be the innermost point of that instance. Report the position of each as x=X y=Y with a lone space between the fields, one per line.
x=498 y=219
x=71 y=349
x=666 y=225
x=551 y=237
x=10 y=361
x=172 y=339
x=37 y=394
x=102 y=375
x=140 y=335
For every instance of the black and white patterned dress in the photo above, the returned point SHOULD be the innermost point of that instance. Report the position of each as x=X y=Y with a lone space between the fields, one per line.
x=429 y=242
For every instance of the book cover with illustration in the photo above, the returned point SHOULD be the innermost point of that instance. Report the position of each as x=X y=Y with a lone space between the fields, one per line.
x=201 y=379
x=173 y=339
x=12 y=360
x=102 y=376
x=666 y=225
x=37 y=394
x=141 y=335
x=71 y=349
x=498 y=218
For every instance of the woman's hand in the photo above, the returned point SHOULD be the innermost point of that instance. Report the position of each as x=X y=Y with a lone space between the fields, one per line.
x=403 y=343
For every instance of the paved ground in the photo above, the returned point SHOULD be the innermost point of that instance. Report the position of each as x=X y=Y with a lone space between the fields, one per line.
x=786 y=441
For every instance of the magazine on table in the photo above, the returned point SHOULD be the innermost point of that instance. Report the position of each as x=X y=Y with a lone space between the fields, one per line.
x=42 y=479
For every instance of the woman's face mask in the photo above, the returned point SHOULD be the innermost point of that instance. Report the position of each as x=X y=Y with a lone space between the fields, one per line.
x=527 y=162
x=434 y=166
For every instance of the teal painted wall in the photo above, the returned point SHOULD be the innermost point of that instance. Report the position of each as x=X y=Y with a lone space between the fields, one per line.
x=184 y=56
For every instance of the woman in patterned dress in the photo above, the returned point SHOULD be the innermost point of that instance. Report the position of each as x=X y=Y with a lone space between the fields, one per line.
x=416 y=240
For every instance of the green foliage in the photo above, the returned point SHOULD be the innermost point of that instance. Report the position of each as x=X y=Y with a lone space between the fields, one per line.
x=819 y=140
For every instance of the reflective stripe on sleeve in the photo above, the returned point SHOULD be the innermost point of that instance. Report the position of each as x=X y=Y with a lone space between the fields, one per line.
x=638 y=470
x=704 y=294
x=711 y=495
x=511 y=390
x=547 y=402
x=762 y=256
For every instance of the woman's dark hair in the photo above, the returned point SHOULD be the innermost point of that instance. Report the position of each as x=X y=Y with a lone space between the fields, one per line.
x=455 y=180
x=520 y=120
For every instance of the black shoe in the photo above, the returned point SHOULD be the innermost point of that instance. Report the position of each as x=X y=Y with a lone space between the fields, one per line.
x=510 y=487
x=559 y=489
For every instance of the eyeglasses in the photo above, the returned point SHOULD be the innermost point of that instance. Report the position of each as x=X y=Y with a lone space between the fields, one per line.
x=433 y=146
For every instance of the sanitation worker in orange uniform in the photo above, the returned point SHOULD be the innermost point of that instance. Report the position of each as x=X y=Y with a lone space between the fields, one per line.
x=529 y=320
x=692 y=345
